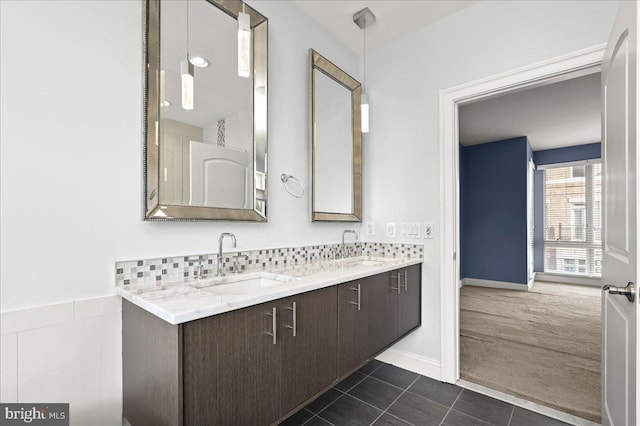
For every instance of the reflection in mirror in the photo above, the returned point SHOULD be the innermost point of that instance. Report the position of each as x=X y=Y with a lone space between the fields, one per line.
x=335 y=141
x=206 y=142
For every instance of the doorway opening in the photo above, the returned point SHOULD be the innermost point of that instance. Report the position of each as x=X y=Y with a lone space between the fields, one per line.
x=560 y=69
x=535 y=192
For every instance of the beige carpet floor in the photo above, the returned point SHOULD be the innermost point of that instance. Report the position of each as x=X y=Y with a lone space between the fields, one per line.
x=542 y=345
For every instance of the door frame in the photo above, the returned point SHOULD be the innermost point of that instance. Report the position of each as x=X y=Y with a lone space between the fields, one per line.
x=565 y=67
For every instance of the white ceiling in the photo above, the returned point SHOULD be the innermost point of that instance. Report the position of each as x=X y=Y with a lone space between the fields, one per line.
x=552 y=116
x=394 y=18
x=213 y=35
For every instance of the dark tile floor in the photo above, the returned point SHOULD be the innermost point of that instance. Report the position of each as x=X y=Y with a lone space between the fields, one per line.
x=383 y=395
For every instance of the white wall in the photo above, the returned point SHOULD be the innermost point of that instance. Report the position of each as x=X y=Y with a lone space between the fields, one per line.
x=72 y=147
x=71 y=155
x=71 y=158
x=401 y=153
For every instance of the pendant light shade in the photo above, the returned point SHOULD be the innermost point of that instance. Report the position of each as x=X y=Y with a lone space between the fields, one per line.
x=244 y=45
x=186 y=77
x=363 y=18
x=364 y=113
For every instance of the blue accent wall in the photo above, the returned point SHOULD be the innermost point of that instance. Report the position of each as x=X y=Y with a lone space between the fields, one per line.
x=494 y=201
x=554 y=156
x=565 y=155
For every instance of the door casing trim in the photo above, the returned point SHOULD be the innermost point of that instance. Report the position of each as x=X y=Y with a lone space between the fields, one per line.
x=565 y=67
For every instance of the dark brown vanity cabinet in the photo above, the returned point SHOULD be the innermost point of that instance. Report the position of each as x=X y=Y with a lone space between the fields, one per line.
x=409 y=299
x=374 y=312
x=245 y=367
x=353 y=329
x=382 y=298
x=308 y=344
x=255 y=365
x=231 y=368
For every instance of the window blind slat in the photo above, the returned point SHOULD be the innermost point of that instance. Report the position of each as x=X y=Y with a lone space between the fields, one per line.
x=573 y=200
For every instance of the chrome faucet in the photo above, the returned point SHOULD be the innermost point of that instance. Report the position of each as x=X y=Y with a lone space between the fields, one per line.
x=345 y=232
x=220 y=273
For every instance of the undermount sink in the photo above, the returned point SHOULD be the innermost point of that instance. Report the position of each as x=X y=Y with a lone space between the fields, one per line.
x=241 y=283
x=367 y=261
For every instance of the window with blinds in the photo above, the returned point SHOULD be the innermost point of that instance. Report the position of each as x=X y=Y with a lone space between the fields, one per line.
x=573 y=224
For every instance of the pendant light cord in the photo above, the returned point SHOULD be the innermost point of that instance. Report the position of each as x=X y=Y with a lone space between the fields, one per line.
x=187 y=30
x=364 y=55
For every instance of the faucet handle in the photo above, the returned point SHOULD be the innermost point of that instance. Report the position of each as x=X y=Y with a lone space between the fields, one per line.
x=200 y=270
x=236 y=261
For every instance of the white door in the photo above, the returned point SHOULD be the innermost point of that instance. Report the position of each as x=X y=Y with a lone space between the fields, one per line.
x=220 y=176
x=620 y=254
x=530 y=221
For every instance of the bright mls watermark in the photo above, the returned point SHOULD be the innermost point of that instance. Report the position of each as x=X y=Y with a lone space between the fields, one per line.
x=36 y=414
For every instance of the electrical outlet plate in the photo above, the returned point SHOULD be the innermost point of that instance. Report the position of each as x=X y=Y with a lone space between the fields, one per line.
x=428 y=230
x=391 y=229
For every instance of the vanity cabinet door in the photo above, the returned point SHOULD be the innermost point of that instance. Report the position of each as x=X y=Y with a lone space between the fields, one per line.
x=381 y=297
x=308 y=357
x=231 y=368
x=410 y=297
x=353 y=325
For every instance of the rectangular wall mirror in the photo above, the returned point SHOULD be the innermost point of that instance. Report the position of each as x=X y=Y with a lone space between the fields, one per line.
x=205 y=109
x=334 y=117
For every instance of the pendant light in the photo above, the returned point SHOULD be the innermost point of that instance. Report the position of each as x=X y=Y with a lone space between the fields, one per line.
x=244 y=44
x=363 y=19
x=187 y=76
x=187 y=79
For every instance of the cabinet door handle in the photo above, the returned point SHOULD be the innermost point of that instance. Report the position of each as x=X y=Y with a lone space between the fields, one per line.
x=274 y=325
x=405 y=280
x=293 y=327
x=396 y=277
x=358 y=302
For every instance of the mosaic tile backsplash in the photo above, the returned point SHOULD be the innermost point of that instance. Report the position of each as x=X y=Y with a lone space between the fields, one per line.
x=184 y=268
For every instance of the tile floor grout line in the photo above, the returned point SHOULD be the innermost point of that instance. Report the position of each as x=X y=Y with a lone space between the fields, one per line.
x=357 y=383
x=395 y=400
x=387 y=383
x=513 y=409
x=451 y=408
x=396 y=417
x=477 y=418
x=343 y=394
x=360 y=400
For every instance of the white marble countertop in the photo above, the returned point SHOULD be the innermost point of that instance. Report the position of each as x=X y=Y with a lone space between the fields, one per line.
x=187 y=301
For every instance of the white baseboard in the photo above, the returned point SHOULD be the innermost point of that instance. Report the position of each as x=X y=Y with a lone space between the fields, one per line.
x=412 y=362
x=497 y=284
x=568 y=279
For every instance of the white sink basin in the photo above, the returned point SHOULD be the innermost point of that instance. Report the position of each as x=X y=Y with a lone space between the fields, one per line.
x=367 y=261
x=241 y=283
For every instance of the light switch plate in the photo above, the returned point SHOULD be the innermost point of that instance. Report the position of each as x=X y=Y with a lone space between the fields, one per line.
x=391 y=229
x=428 y=230
x=410 y=230
x=370 y=227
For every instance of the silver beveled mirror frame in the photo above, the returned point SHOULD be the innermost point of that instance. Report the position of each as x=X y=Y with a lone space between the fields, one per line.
x=153 y=208
x=322 y=64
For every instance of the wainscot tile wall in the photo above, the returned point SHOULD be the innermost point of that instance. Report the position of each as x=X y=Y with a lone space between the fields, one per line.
x=162 y=271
